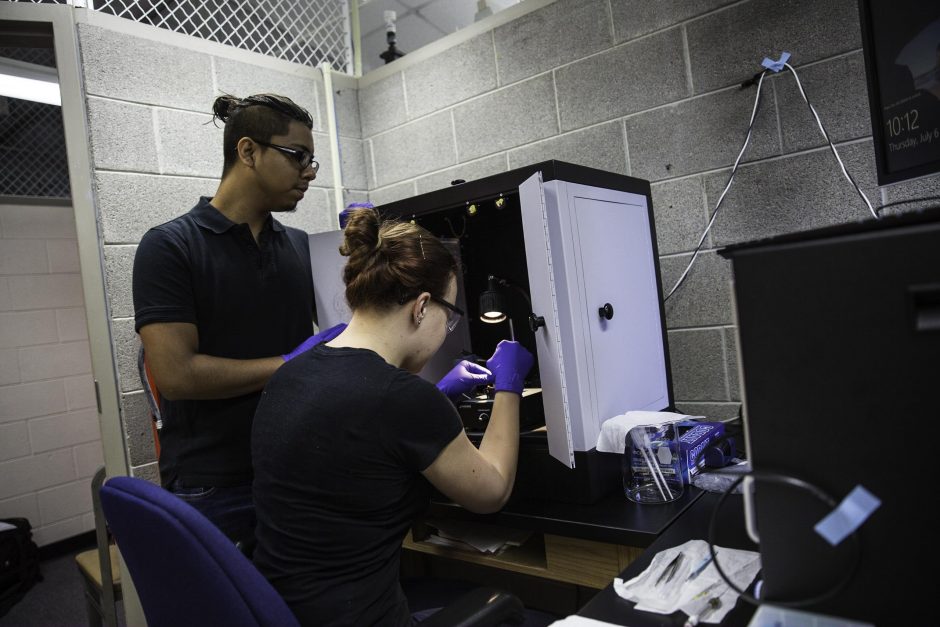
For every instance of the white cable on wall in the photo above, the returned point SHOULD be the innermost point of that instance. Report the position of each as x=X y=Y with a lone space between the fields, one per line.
x=721 y=198
x=831 y=145
x=734 y=169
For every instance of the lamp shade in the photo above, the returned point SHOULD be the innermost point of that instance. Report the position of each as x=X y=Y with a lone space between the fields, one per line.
x=492 y=304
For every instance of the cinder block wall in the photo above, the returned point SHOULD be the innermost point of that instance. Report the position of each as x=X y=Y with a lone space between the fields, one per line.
x=50 y=444
x=650 y=89
x=155 y=151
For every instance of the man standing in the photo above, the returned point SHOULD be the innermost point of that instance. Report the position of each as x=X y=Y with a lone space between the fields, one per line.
x=223 y=296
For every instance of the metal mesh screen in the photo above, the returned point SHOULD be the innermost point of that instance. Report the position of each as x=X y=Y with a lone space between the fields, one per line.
x=37 y=56
x=300 y=31
x=32 y=150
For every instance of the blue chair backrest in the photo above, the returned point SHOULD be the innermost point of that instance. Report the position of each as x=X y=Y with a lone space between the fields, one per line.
x=185 y=570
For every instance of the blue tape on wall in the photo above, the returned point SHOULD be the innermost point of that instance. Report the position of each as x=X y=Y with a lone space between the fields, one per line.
x=776 y=66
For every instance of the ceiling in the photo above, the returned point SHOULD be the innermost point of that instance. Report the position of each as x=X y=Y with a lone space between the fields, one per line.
x=418 y=23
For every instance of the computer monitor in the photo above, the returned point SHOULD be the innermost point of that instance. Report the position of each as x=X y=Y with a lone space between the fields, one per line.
x=839 y=349
x=901 y=43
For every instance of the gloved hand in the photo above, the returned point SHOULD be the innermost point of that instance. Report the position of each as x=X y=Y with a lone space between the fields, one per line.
x=510 y=364
x=313 y=340
x=462 y=378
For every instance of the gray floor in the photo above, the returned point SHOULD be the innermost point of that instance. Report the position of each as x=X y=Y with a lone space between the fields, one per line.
x=56 y=601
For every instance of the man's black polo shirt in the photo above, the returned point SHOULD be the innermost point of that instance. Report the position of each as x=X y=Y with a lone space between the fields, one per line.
x=248 y=300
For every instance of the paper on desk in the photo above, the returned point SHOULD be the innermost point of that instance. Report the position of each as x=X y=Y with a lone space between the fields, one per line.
x=579 y=621
x=614 y=430
x=485 y=539
x=681 y=592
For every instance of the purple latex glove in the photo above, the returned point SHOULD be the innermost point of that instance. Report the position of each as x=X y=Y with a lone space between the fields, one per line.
x=462 y=378
x=313 y=340
x=510 y=364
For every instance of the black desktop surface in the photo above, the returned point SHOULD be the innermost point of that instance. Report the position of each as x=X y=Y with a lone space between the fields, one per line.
x=692 y=525
x=613 y=519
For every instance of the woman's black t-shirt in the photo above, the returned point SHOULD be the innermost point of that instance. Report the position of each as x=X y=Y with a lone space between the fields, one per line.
x=338 y=443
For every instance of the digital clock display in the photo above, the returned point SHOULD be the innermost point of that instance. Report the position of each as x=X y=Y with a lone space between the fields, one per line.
x=902 y=50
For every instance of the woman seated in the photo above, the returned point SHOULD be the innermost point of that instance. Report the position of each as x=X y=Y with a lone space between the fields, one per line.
x=347 y=437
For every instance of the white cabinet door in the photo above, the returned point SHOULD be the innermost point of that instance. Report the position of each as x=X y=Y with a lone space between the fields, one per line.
x=542 y=287
x=587 y=248
x=615 y=272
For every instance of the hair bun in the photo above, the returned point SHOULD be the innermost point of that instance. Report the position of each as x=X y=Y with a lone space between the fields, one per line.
x=224 y=106
x=361 y=236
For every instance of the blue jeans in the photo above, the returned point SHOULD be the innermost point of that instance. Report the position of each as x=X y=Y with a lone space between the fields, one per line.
x=230 y=509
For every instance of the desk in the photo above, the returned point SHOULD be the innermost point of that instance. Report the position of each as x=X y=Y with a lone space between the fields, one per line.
x=693 y=524
x=585 y=545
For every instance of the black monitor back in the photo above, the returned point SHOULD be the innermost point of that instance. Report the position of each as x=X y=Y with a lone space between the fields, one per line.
x=839 y=342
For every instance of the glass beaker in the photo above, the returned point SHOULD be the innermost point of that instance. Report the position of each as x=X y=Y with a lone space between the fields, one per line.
x=651 y=464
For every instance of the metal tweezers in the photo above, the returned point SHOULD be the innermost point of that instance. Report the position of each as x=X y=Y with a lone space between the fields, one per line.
x=670 y=571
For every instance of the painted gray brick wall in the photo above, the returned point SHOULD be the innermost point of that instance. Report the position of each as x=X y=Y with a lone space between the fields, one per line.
x=543 y=40
x=414 y=148
x=726 y=47
x=600 y=147
x=469 y=171
x=837 y=89
x=243 y=79
x=382 y=105
x=155 y=74
x=118 y=266
x=651 y=89
x=122 y=136
x=794 y=193
x=699 y=134
x=129 y=203
x=346 y=102
x=189 y=144
x=625 y=79
x=506 y=118
x=633 y=18
x=459 y=73
x=680 y=213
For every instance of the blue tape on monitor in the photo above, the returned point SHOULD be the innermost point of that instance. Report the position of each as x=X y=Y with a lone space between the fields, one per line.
x=776 y=66
x=848 y=516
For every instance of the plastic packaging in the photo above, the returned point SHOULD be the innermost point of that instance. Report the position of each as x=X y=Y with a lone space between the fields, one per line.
x=719 y=480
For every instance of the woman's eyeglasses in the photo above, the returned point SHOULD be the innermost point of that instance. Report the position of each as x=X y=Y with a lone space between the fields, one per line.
x=453 y=313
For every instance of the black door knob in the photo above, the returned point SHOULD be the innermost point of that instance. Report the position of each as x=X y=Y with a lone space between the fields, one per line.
x=535 y=322
x=607 y=311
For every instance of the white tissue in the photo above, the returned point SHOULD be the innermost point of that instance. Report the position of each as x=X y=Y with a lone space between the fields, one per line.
x=614 y=430
x=691 y=595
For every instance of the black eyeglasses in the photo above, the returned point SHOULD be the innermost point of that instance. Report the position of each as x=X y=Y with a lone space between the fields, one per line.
x=304 y=158
x=453 y=313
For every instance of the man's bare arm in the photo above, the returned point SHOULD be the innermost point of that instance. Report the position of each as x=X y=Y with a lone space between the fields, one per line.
x=181 y=373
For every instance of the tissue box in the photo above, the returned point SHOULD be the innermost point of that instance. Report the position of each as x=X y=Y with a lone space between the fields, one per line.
x=694 y=437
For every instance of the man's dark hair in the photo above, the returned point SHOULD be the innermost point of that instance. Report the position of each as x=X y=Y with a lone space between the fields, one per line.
x=260 y=117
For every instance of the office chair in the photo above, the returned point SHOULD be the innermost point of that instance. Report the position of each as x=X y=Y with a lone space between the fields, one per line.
x=99 y=567
x=187 y=572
